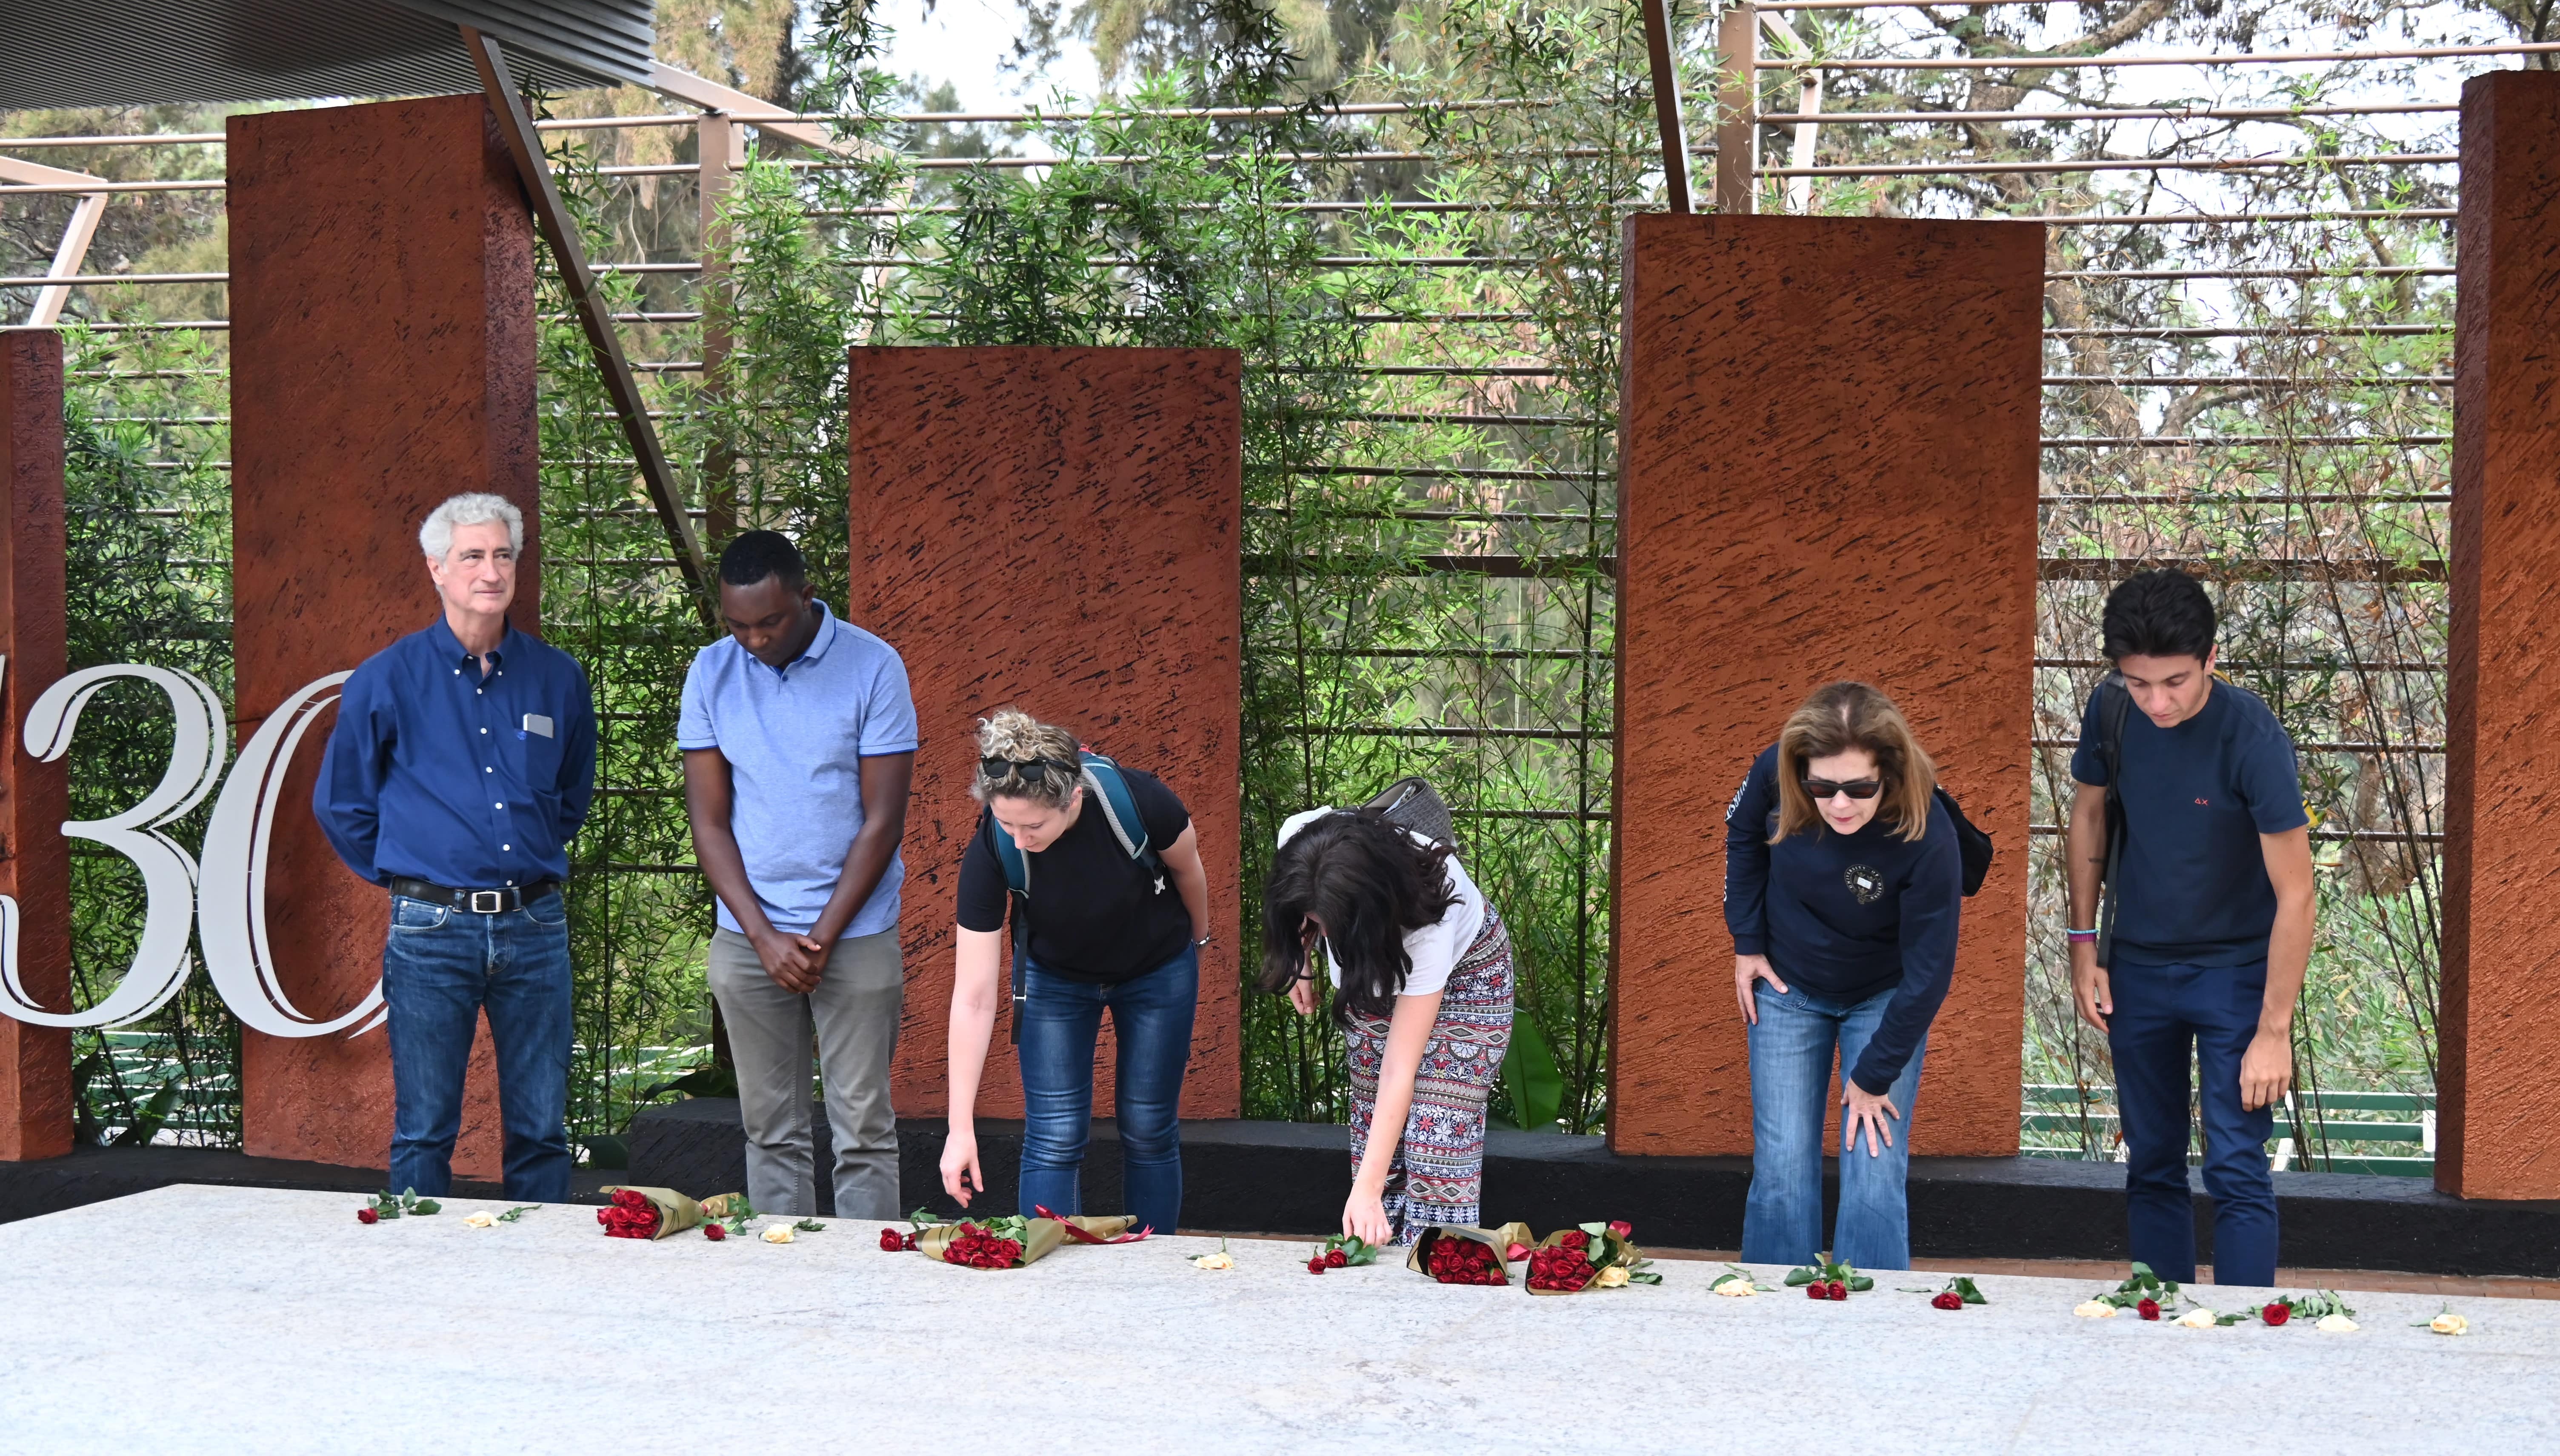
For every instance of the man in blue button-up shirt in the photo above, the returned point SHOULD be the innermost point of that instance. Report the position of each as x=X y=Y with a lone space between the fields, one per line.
x=462 y=762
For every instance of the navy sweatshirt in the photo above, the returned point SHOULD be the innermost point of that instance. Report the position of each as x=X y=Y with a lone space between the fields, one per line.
x=1846 y=915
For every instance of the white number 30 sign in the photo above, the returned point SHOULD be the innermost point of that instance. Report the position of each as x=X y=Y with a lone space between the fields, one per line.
x=225 y=897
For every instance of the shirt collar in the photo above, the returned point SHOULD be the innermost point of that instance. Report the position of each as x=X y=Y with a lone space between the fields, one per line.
x=439 y=635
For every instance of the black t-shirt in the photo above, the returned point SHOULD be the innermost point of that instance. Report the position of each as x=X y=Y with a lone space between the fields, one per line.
x=1095 y=914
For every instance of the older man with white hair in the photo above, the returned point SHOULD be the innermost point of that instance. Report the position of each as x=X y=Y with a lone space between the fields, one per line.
x=462 y=762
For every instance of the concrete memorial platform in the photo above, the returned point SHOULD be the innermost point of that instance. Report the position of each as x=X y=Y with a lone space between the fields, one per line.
x=200 y=1319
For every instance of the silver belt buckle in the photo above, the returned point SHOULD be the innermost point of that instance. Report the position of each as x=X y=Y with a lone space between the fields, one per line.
x=488 y=902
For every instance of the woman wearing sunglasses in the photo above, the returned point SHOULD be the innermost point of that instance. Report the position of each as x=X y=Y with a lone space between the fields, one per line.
x=1841 y=886
x=1112 y=919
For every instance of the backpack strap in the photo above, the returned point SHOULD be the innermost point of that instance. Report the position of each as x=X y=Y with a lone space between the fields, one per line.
x=2115 y=705
x=1119 y=808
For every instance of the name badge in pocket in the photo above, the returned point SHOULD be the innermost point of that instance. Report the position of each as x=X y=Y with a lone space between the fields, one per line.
x=535 y=723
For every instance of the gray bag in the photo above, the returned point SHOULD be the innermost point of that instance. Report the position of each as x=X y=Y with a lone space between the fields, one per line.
x=1409 y=803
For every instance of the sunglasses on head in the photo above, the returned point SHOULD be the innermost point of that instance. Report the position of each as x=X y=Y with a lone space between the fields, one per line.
x=1820 y=789
x=1032 y=769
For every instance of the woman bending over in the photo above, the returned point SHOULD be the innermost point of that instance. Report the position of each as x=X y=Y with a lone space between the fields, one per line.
x=1421 y=968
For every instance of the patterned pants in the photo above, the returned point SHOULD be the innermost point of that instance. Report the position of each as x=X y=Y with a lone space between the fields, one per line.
x=1438 y=1173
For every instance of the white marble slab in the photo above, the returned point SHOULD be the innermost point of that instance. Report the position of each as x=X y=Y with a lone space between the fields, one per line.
x=202 y=1319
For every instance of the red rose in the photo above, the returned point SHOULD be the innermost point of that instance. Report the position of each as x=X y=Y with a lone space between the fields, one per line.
x=889 y=1241
x=1517 y=1252
x=2148 y=1308
x=367 y=1215
x=1622 y=1228
x=1948 y=1300
x=715 y=1233
x=1337 y=1260
x=1316 y=1265
x=1577 y=1240
x=2276 y=1314
x=1835 y=1290
x=907 y=1243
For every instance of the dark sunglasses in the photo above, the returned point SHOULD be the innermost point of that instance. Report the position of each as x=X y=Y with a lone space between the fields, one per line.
x=1031 y=770
x=1857 y=788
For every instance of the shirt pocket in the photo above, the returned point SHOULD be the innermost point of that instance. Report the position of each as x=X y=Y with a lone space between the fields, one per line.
x=539 y=757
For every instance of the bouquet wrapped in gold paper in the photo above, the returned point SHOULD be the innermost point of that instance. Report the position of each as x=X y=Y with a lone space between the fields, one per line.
x=1590 y=1256
x=1454 y=1254
x=648 y=1213
x=1011 y=1241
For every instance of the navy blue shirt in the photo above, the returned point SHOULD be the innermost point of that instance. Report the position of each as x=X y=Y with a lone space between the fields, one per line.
x=438 y=773
x=2192 y=889
x=1848 y=916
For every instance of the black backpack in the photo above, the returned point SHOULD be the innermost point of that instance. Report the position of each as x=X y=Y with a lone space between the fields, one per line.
x=1973 y=846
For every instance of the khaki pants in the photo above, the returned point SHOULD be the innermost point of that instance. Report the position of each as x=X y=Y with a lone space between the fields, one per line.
x=853 y=1020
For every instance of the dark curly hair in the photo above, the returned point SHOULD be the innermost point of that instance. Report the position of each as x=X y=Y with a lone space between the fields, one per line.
x=1367 y=883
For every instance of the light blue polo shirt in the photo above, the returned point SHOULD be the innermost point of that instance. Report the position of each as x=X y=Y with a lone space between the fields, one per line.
x=795 y=740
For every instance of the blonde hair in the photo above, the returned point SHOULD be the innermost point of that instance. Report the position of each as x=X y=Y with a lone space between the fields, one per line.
x=1021 y=739
x=1845 y=716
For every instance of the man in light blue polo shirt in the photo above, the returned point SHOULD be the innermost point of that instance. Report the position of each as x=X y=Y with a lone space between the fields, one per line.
x=799 y=741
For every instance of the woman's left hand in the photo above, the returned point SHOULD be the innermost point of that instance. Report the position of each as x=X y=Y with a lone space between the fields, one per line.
x=1364 y=1216
x=1867 y=1110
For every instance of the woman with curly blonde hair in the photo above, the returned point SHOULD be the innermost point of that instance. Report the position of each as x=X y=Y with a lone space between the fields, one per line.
x=1111 y=906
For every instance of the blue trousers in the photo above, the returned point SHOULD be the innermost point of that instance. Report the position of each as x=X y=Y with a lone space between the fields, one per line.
x=1791 y=1093
x=2160 y=1013
x=1062 y=1018
x=441 y=967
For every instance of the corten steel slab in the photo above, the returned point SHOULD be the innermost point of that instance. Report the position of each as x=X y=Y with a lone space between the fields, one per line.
x=280 y=1325
x=2499 y=1028
x=382 y=360
x=1056 y=530
x=1828 y=469
x=35 y=864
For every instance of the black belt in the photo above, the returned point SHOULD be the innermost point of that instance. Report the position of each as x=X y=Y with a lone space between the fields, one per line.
x=478 y=902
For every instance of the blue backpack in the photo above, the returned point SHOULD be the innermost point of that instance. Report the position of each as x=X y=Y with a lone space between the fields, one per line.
x=1106 y=790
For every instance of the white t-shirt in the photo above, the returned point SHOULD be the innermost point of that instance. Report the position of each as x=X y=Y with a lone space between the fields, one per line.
x=1434 y=949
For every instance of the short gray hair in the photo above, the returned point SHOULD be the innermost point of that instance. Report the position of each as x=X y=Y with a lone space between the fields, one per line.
x=477 y=507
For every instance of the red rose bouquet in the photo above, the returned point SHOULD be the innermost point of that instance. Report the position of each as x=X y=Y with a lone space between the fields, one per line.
x=1829 y=1279
x=648 y=1213
x=1455 y=1254
x=1589 y=1256
x=1011 y=1241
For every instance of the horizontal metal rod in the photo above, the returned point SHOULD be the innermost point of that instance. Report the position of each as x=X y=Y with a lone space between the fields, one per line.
x=2409 y=271
x=2104 y=113
x=2332 y=836
x=2195 y=502
x=2251 y=381
x=2108 y=164
x=2304 y=745
x=1390 y=730
x=38 y=281
x=2177 y=442
x=2259 y=568
x=2109 y=63
x=2252 y=331
x=2087 y=663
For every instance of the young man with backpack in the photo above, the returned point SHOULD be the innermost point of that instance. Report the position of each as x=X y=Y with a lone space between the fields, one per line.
x=799 y=741
x=2188 y=809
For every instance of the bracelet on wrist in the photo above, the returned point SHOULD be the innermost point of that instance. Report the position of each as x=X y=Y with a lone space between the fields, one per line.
x=2081 y=937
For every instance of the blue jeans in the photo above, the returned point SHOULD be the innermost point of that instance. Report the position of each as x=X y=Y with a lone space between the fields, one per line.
x=1791 y=1093
x=1151 y=1014
x=441 y=967
x=2159 y=1012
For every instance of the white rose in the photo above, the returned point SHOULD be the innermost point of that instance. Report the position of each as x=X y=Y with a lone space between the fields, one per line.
x=2450 y=1323
x=479 y=1220
x=1612 y=1277
x=779 y=1233
x=2336 y=1325
x=1218 y=1261
x=2199 y=1318
x=2095 y=1309
x=1736 y=1286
